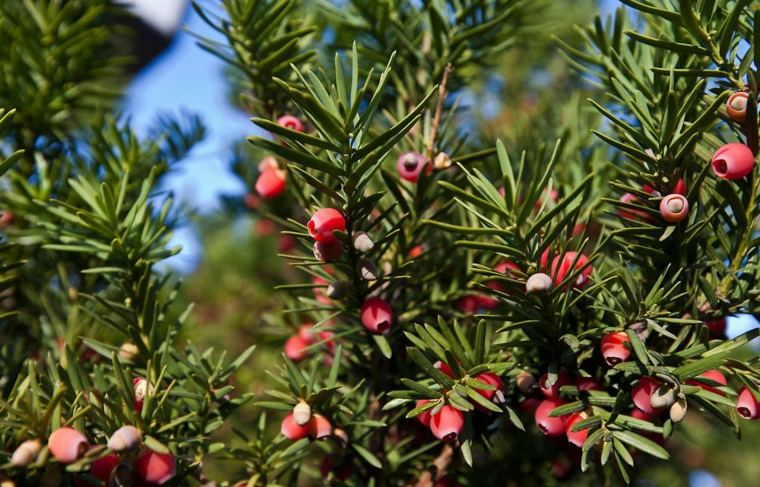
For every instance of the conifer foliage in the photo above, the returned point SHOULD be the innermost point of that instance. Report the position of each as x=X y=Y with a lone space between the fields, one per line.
x=468 y=310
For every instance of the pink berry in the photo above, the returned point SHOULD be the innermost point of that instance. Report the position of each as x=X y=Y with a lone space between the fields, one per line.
x=271 y=183
x=376 y=315
x=550 y=426
x=642 y=394
x=674 y=208
x=155 y=468
x=614 y=349
x=733 y=161
x=447 y=424
x=319 y=427
x=295 y=348
x=292 y=430
x=577 y=438
x=552 y=392
x=713 y=376
x=736 y=106
x=67 y=445
x=290 y=122
x=324 y=222
x=562 y=266
x=327 y=252
x=423 y=417
x=747 y=405
x=411 y=164
x=306 y=332
x=267 y=164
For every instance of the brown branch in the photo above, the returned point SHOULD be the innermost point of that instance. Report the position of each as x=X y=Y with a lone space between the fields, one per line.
x=431 y=148
x=440 y=466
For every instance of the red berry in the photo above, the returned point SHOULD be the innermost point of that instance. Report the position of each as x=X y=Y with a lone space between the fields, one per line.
x=251 y=201
x=630 y=213
x=639 y=414
x=324 y=222
x=680 y=187
x=712 y=376
x=577 y=438
x=642 y=395
x=485 y=301
x=529 y=405
x=286 y=244
x=614 y=349
x=342 y=472
x=319 y=427
x=411 y=164
x=733 y=161
x=550 y=426
x=717 y=327
x=271 y=183
x=467 y=304
x=674 y=208
x=544 y=261
x=102 y=467
x=376 y=315
x=747 y=405
x=443 y=367
x=290 y=122
x=447 y=424
x=292 y=430
x=562 y=266
x=552 y=392
x=416 y=251
x=327 y=252
x=495 y=395
x=295 y=348
x=423 y=417
x=155 y=468
x=588 y=384
x=561 y=467
x=736 y=106
x=67 y=445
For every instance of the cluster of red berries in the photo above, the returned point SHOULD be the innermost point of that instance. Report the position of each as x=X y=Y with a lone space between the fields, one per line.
x=375 y=314
x=271 y=180
x=444 y=420
x=68 y=445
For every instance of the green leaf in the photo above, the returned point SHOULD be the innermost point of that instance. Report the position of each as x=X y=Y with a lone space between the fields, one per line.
x=642 y=443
